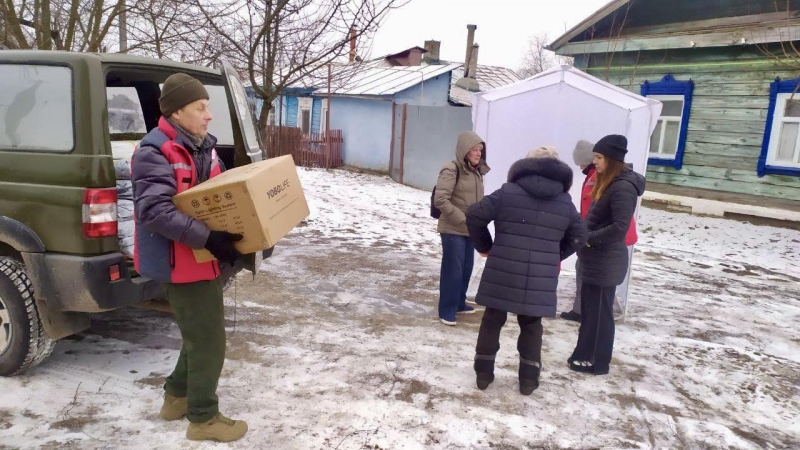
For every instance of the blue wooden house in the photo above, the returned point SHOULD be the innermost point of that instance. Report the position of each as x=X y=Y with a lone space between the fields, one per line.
x=361 y=105
x=365 y=97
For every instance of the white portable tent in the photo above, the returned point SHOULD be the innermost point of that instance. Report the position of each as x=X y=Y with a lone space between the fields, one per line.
x=558 y=108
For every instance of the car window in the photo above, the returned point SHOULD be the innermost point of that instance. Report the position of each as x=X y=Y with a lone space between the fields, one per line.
x=124 y=111
x=33 y=97
x=220 y=127
x=245 y=114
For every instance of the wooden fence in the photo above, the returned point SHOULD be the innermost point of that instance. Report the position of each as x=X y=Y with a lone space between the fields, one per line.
x=313 y=150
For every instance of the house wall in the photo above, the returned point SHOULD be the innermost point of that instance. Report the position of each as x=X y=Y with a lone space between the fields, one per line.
x=434 y=92
x=366 y=126
x=291 y=111
x=727 y=118
x=290 y=117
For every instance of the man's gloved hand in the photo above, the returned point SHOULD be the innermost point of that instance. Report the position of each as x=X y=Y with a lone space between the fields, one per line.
x=220 y=244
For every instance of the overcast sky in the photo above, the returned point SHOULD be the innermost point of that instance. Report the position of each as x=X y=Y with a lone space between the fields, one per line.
x=504 y=26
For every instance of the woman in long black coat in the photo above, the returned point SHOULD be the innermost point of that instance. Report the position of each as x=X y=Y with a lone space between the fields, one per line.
x=604 y=259
x=536 y=227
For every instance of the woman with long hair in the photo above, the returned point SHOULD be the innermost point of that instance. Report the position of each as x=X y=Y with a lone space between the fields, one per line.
x=604 y=259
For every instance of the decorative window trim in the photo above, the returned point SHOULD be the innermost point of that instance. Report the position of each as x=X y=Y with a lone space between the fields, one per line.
x=323 y=115
x=670 y=86
x=775 y=88
x=304 y=104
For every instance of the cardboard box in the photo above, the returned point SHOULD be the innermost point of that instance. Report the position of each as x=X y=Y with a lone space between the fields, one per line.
x=262 y=201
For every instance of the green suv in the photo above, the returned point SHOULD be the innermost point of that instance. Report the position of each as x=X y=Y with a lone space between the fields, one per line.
x=69 y=123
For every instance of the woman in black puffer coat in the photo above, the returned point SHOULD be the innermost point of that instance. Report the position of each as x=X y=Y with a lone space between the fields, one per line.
x=604 y=259
x=536 y=227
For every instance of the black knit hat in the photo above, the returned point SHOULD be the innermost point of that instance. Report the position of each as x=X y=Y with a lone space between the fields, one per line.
x=178 y=91
x=613 y=146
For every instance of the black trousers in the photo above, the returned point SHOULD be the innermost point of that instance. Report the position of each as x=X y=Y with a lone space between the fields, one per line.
x=596 y=335
x=529 y=343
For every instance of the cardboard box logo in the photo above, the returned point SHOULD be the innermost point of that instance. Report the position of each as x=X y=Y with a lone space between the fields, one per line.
x=262 y=201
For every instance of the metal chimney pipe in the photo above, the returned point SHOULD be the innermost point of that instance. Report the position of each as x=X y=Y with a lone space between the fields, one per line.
x=352 y=44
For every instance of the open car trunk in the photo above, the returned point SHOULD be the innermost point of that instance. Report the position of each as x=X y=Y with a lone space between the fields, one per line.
x=132 y=95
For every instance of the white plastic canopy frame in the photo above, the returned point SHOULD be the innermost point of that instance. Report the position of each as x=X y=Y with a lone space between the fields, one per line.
x=558 y=108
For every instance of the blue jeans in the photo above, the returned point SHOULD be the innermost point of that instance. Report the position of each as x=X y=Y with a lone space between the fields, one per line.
x=458 y=256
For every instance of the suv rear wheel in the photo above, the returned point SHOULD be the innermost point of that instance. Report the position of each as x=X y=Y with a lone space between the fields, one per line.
x=23 y=342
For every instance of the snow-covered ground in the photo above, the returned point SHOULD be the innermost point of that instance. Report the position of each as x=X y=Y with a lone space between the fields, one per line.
x=336 y=346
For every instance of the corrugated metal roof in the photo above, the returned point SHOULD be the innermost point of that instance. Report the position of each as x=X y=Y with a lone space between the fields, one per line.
x=375 y=78
x=389 y=80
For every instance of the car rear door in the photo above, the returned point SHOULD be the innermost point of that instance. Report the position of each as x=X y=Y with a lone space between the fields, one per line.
x=250 y=149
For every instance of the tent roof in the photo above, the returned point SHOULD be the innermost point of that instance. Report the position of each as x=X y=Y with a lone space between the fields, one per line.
x=573 y=77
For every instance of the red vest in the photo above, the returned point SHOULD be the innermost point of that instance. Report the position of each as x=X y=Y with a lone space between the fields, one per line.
x=586 y=202
x=183 y=266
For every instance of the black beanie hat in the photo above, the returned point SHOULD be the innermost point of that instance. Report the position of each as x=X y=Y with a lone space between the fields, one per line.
x=178 y=91
x=613 y=146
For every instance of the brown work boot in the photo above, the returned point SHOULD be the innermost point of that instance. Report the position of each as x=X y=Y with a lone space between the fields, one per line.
x=220 y=429
x=174 y=408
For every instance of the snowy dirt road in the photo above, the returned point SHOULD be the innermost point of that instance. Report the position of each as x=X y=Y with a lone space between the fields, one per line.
x=336 y=346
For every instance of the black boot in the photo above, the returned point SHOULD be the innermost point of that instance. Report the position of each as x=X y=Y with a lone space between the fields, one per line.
x=572 y=315
x=484 y=370
x=528 y=376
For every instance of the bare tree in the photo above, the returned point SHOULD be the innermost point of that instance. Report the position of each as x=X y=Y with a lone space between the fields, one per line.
x=538 y=58
x=172 y=29
x=786 y=52
x=78 y=25
x=276 y=43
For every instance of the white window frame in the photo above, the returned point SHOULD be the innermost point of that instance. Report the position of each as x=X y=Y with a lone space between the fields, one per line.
x=304 y=104
x=778 y=119
x=324 y=118
x=659 y=154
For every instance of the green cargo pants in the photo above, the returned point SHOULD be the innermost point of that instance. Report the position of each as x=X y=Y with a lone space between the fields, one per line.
x=200 y=316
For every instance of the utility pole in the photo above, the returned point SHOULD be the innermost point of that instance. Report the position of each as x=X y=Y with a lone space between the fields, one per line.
x=328 y=155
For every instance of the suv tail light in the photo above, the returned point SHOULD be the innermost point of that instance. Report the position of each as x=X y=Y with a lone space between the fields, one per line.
x=100 y=213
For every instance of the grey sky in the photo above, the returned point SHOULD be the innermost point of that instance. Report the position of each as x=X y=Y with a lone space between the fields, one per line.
x=504 y=26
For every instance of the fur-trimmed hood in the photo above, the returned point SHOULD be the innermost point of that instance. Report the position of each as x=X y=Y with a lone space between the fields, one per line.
x=541 y=177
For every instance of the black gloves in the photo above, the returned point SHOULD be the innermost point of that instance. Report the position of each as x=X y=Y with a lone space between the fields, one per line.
x=220 y=244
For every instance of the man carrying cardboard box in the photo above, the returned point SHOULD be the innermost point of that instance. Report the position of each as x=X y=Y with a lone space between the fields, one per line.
x=172 y=158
